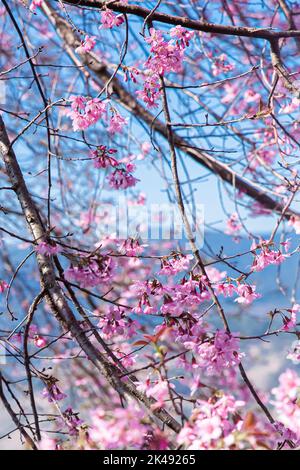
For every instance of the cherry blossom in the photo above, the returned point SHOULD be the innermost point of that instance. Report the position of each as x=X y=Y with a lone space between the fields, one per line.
x=48 y=249
x=116 y=123
x=3 y=286
x=246 y=293
x=35 y=4
x=53 y=393
x=87 y=45
x=109 y=19
x=85 y=112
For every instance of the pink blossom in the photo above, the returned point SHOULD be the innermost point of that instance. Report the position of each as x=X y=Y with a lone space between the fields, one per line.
x=35 y=4
x=165 y=57
x=48 y=249
x=246 y=293
x=221 y=65
x=103 y=157
x=3 y=286
x=267 y=257
x=53 y=393
x=219 y=353
x=115 y=322
x=212 y=424
x=116 y=124
x=291 y=322
x=294 y=354
x=250 y=95
x=172 y=266
x=87 y=45
x=85 y=112
x=131 y=247
x=109 y=19
x=182 y=34
x=91 y=272
x=122 y=428
x=121 y=179
x=233 y=225
x=286 y=398
x=47 y=443
x=160 y=391
x=39 y=341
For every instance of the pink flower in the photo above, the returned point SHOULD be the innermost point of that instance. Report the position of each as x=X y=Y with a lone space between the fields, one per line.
x=116 y=124
x=172 y=266
x=294 y=354
x=233 y=225
x=3 y=286
x=109 y=19
x=47 y=443
x=85 y=112
x=246 y=293
x=103 y=157
x=115 y=322
x=53 y=393
x=286 y=400
x=250 y=95
x=291 y=322
x=221 y=65
x=267 y=257
x=34 y=4
x=48 y=249
x=39 y=341
x=165 y=57
x=121 y=179
x=160 y=391
x=91 y=272
x=87 y=45
x=131 y=247
x=212 y=423
x=120 y=428
x=219 y=354
x=182 y=34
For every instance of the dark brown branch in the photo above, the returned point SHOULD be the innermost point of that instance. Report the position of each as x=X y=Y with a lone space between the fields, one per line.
x=261 y=33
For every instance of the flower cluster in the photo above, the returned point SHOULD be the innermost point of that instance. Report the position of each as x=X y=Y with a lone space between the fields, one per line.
x=212 y=425
x=166 y=56
x=48 y=249
x=212 y=354
x=286 y=400
x=87 y=45
x=115 y=322
x=35 y=4
x=109 y=19
x=116 y=123
x=3 y=286
x=53 y=393
x=123 y=428
x=91 y=272
x=267 y=257
x=103 y=158
x=122 y=178
x=85 y=112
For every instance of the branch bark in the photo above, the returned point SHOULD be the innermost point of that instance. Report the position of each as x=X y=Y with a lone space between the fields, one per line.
x=136 y=10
